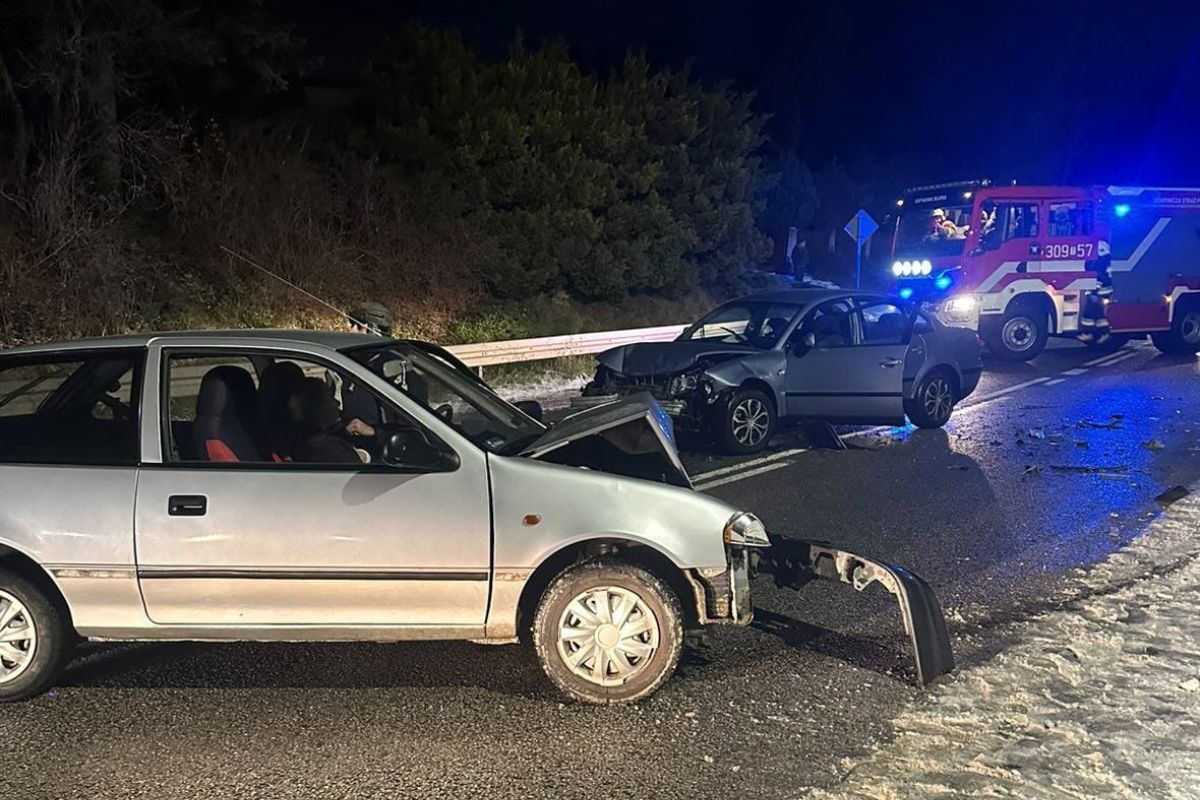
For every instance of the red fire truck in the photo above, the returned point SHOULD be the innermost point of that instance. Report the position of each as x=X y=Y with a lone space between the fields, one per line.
x=1022 y=263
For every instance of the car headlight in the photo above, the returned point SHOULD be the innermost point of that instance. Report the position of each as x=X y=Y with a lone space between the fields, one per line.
x=963 y=304
x=746 y=530
x=681 y=384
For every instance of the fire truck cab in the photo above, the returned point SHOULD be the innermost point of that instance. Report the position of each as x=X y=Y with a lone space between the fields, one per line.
x=1019 y=264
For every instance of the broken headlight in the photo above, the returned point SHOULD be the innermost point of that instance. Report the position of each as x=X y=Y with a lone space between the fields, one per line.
x=682 y=384
x=746 y=530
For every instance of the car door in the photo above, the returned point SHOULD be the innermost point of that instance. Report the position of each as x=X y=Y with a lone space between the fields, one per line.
x=846 y=362
x=267 y=541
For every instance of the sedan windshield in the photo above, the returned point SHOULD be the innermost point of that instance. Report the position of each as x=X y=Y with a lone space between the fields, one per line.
x=453 y=393
x=757 y=323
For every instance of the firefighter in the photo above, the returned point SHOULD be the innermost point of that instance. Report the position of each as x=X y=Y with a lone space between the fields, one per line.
x=1093 y=320
x=372 y=318
x=944 y=228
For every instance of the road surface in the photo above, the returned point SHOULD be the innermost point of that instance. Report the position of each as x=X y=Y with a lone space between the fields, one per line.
x=1051 y=466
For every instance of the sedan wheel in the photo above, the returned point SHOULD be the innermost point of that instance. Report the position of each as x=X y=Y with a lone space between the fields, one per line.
x=933 y=402
x=747 y=422
x=607 y=631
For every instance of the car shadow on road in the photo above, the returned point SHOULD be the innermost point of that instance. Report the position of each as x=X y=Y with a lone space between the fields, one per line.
x=509 y=670
x=884 y=657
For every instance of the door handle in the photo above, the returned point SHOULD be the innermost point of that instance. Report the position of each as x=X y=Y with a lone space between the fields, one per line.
x=890 y=362
x=187 y=505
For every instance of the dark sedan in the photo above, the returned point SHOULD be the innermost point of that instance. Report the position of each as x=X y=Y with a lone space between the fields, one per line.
x=807 y=354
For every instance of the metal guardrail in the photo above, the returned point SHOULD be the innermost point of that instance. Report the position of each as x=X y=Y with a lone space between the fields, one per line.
x=488 y=354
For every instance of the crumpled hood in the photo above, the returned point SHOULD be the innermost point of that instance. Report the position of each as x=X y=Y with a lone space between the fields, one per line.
x=632 y=436
x=667 y=358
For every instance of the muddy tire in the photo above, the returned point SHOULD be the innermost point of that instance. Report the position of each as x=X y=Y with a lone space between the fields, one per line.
x=608 y=632
x=1021 y=334
x=36 y=639
x=745 y=423
x=934 y=399
x=1184 y=336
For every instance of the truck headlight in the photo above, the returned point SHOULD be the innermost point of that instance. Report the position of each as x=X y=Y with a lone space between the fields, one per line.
x=746 y=530
x=963 y=304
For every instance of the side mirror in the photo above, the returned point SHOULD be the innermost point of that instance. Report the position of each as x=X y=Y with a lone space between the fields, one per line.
x=530 y=408
x=410 y=448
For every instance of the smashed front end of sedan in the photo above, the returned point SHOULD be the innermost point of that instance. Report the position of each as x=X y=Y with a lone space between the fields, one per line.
x=689 y=379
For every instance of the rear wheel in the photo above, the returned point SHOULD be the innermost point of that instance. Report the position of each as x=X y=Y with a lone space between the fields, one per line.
x=746 y=422
x=35 y=638
x=1021 y=334
x=1184 y=336
x=933 y=401
x=608 y=632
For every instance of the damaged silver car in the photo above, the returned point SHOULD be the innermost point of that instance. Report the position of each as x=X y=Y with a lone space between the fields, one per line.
x=300 y=486
x=807 y=354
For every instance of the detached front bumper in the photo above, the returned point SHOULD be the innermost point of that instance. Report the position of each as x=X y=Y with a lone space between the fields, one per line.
x=794 y=562
x=723 y=597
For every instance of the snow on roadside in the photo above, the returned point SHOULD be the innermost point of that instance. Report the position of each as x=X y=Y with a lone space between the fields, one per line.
x=551 y=390
x=1100 y=699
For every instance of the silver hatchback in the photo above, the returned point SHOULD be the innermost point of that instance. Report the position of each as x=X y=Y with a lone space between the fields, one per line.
x=322 y=486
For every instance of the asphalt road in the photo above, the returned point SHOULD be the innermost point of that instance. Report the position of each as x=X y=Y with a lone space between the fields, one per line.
x=1049 y=467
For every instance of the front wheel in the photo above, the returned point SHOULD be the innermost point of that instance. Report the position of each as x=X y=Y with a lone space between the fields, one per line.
x=933 y=401
x=1184 y=336
x=35 y=638
x=1020 y=335
x=608 y=632
x=745 y=423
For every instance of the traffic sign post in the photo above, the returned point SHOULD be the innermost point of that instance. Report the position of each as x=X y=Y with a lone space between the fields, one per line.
x=860 y=228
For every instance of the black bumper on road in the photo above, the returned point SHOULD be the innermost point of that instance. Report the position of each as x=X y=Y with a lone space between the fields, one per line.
x=795 y=562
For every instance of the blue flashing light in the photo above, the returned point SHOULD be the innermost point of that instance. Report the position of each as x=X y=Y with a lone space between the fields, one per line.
x=943 y=282
x=1121 y=209
x=906 y=293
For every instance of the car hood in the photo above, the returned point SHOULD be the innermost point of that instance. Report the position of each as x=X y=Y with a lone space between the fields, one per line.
x=667 y=358
x=632 y=436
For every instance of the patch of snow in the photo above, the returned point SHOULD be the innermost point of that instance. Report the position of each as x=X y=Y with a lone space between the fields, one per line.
x=551 y=390
x=1098 y=699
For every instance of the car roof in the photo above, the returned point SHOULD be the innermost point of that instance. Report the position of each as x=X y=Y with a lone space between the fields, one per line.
x=805 y=297
x=334 y=340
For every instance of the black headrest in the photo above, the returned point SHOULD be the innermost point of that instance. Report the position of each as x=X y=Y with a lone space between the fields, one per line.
x=280 y=380
x=226 y=391
x=318 y=413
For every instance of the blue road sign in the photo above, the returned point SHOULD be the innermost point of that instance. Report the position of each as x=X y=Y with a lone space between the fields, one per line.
x=861 y=227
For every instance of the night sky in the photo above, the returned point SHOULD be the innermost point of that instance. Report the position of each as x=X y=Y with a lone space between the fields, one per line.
x=902 y=92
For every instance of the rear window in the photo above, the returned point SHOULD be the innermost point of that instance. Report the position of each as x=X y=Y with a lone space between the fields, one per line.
x=79 y=410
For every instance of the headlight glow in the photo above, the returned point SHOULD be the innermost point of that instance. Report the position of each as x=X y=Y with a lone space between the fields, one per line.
x=963 y=304
x=746 y=530
x=926 y=267
x=897 y=269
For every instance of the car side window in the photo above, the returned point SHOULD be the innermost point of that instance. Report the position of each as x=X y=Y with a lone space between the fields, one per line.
x=270 y=410
x=1070 y=219
x=74 y=410
x=828 y=325
x=882 y=323
x=1002 y=222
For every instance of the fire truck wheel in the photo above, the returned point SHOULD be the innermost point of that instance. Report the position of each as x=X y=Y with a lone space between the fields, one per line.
x=1184 y=336
x=933 y=401
x=1021 y=334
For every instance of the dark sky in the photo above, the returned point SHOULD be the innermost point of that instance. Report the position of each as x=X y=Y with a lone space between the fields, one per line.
x=1053 y=90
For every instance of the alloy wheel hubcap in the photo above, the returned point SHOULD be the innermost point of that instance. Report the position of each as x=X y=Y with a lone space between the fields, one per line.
x=607 y=635
x=938 y=400
x=750 y=418
x=18 y=638
x=1189 y=327
x=1019 y=334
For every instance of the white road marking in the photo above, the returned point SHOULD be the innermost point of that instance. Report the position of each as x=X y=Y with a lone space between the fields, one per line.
x=1098 y=361
x=1055 y=381
x=1121 y=357
x=1109 y=360
x=1074 y=372
x=751 y=463
x=983 y=398
x=701 y=487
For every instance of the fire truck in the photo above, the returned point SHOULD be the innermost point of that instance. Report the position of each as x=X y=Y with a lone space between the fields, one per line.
x=1020 y=264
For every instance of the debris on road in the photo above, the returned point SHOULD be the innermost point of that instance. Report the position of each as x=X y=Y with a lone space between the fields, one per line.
x=1172 y=495
x=1154 y=445
x=1113 y=422
x=1075 y=469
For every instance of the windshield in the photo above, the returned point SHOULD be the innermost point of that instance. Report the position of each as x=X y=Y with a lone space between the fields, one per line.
x=933 y=231
x=755 y=323
x=465 y=402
